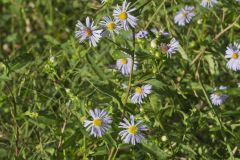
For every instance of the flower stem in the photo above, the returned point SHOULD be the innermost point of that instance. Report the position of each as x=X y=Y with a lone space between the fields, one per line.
x=113 y=153
x=130 y=75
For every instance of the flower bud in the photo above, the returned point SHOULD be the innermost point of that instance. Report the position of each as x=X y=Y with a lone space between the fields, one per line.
x=154 y=43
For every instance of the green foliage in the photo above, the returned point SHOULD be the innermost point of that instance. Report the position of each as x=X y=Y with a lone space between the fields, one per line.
x=49 y=81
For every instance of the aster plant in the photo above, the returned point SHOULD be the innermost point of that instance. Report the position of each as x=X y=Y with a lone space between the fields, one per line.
x=132 y=131
x=88 y=32
x=99 y=124
x=184 y=15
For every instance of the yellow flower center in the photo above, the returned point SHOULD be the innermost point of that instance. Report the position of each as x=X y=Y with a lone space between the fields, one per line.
x=133 y=130
x=111 y=25
x=97 y=122
x=124 y=61
x=234 y=56
x=123 y=16
x=184 y=14
x=138 y=90
x=88 y=32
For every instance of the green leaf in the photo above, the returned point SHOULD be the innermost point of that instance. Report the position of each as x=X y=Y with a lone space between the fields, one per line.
x=71 y=141
x=231 y=91
x=21 y=61
x=154 y=101
x=154 y=150
x=106 y=91
x=4 y=78
x=188 y=149
x=197 y=86
x=155 y=83
x=109 y=140
x=11 y=37
x=183 y=53
x=95 y=68
x=3 y=153
x=52 y=40
x=211 y=63
x=100 y=151
x=119 y=55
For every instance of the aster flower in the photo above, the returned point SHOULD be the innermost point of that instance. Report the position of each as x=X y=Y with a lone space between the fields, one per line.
x=110 y=26
x=99 y=124
x=184 y=15
x=208 y=3
x=218 y=98
x=89 y=32
x=132 y=132
x=124 y=65
x=170 y=48
x=140 y=93
x=141 y=34
x=233 y=53
x=122 y=14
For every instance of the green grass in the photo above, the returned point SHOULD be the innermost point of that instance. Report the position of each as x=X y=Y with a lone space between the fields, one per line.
x=43 y=104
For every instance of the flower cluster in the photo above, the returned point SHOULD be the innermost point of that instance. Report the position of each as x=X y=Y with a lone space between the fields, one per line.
x=101 y=123
x=122 y=20
x=233 y=54
x=183 y=17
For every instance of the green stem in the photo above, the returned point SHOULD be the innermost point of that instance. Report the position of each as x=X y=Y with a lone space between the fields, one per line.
x=14 y=115
x=211 y=106
x=158 y=9
x=112 y=155
x=130 y=76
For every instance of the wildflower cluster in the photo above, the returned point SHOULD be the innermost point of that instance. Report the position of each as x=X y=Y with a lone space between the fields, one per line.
x=233 y=54
x=110 y=79
x=100 y=124
x=123 y=20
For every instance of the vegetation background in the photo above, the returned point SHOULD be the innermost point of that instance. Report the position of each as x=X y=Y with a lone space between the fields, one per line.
x=48 y=82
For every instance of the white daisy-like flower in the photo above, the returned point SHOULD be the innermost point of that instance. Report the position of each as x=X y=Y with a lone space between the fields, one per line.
x=89 y=32
x=122 y=14
x=208 y=3
x=124 y=65
x=184 y=15
x=141 y=34
x=110 y=26
x=218 y=98
x=132 y=132
x=233 y=53
x=140 y=93
x=170 y=48
x=99 y=124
